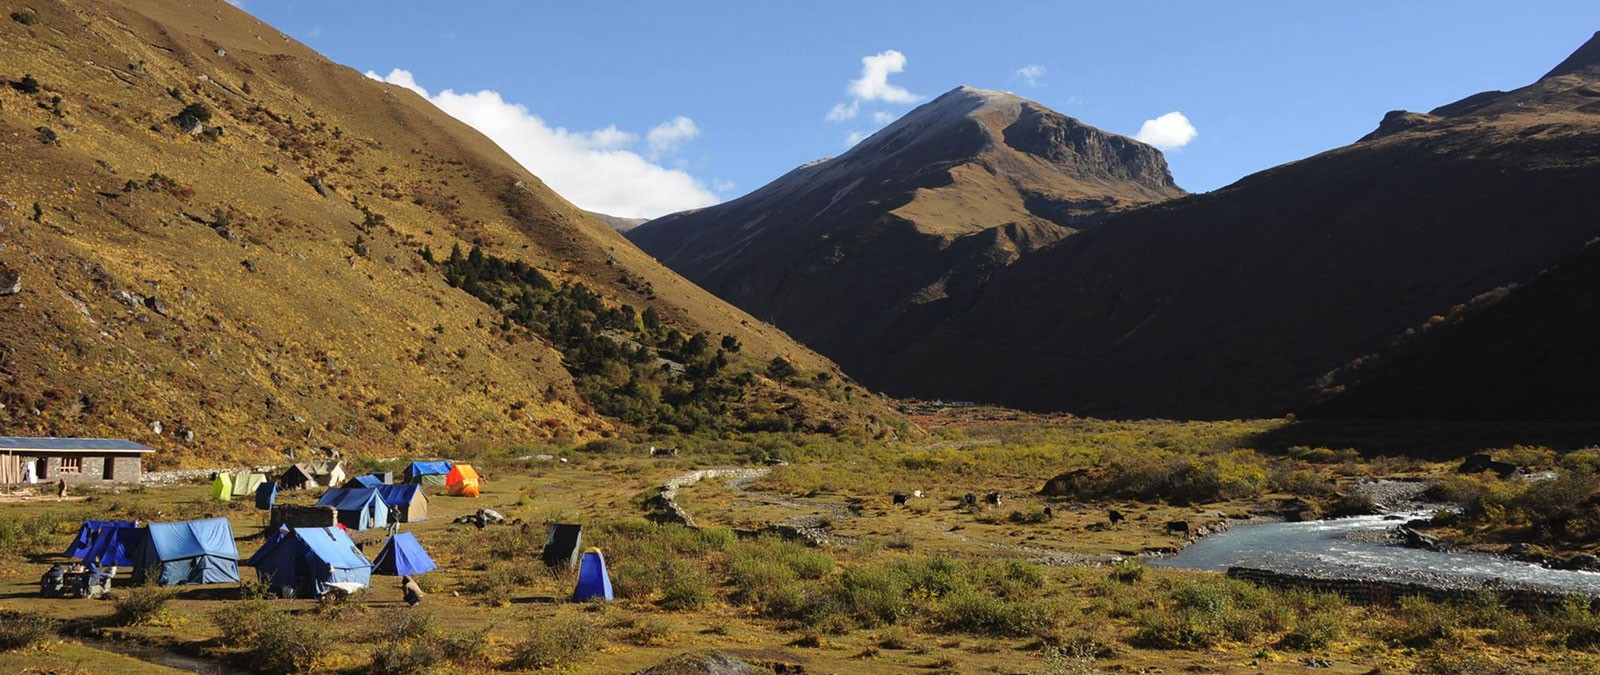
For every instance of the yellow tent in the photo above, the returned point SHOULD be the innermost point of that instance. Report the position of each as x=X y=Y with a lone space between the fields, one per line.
x=222 y=487
x=462 y=481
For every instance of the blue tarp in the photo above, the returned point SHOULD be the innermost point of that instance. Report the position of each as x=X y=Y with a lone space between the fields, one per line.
x=359 y=508
x=367 y=481
x=301 y=563
x=267 y=495
x=86 y=533
x=188 y=552
x=272 y=540
x=593 y=581
x=419 y=469
x=112 y=544
x=402 y=556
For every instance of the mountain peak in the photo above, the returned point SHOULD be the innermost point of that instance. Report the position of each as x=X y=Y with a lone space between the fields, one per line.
x=1586 y=56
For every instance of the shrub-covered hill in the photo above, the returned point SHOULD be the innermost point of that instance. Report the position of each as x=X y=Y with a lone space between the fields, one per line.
x=217 y=242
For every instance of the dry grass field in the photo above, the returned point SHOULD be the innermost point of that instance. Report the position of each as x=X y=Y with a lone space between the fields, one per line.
x=928 y=587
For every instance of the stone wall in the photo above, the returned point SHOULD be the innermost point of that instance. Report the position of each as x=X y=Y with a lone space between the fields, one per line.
x=124 y=468
x=1377 y=592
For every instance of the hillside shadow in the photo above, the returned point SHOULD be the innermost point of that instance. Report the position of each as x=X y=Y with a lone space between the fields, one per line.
x=1425 y=439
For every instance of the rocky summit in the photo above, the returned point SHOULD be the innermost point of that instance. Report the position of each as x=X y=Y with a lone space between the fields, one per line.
x=857 y=254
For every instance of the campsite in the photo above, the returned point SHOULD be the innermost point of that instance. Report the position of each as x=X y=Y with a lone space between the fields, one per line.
x=724 y=587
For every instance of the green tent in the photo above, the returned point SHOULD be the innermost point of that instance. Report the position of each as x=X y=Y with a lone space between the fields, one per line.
x=245 y=483
x=222 y=487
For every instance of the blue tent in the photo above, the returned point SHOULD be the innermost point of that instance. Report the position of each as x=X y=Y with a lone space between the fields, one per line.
x=402 y=556
x=111 y=545
x=304 y=561
x=370 y=480
x=432 y=473
x=359 y=508
x=272 y=540
x=593 y=581
x=188 y=552
x=413 y=505
x=267 y=495
x=86 y=534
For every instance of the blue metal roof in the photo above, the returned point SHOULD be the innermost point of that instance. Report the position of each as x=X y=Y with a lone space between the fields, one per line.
x=76 y=444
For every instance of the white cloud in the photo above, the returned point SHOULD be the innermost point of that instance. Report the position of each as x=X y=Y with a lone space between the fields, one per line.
x=1031 y=74
x=668 y=136
x=855 y=137
x=593 y=169
x=843 y=111
x=883 y=117
x=1168 y=132
x=723 y=186
x=873 y=85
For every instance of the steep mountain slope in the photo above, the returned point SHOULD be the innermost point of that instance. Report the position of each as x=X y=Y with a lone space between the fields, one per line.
x=857 y=254
x=619 y=223
x=1234 y=303
x=1520 y=353
x=255 y=274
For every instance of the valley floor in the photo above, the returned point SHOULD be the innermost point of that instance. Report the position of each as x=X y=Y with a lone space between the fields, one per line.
x=934 y=585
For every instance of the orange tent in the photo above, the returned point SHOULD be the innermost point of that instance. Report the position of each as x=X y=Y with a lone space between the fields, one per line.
x=462 y=481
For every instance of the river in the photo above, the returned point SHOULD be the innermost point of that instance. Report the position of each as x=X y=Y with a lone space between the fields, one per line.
x=1348 y=548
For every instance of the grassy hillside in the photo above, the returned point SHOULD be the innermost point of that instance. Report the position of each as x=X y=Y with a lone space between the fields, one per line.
x=254 y=272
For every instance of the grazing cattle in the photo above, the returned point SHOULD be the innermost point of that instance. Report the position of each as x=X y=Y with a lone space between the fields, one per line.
x=993 y=498
x=918 y=494
x=1049 y=512
x=970 y=499
x=1178 y=527
x=899 y=498
x=1115 y=517
x=663 y=452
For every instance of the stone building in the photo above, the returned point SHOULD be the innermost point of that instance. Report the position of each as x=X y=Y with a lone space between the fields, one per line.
x=76 y=460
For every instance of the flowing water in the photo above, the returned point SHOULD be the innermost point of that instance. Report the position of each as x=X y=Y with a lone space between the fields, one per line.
x=158 y=656
x=1349 y=548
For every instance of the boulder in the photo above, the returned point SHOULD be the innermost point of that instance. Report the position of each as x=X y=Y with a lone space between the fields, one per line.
x=1415 y=539
x=717 y=663
x=10 y=281
x=1480 y=462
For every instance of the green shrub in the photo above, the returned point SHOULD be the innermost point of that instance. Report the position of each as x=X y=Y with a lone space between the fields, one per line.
x=403 y=658
x=686 y=586
x=497 y=585
x=1422 y=623
x=974 y=611
x=1314 y=631
x=1127 y=571
x=19 y=630
x=140 y=604
x=23 y=535
x=26 y=85
x=196 y=111
x=243 y=620
x=285 y=644
x=875 y=595
x=554 y=642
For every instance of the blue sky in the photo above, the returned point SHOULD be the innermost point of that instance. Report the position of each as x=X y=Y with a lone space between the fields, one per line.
x=1262 y=82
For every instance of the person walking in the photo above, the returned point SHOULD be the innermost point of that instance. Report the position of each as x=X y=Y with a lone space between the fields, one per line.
x=61 y=489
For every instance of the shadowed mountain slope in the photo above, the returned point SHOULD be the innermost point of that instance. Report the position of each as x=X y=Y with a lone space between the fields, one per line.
x=857 y=254
x=1234 y=303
